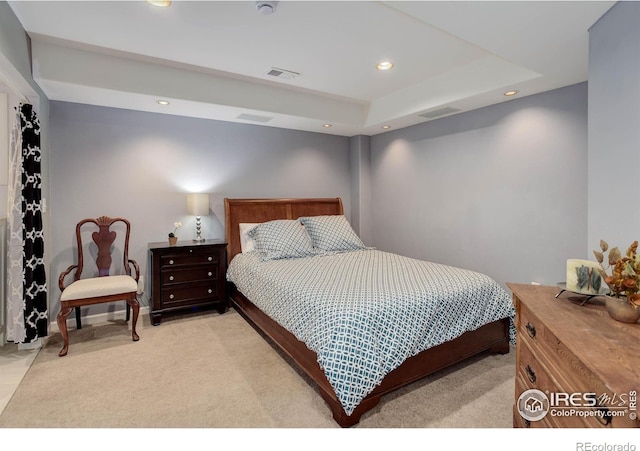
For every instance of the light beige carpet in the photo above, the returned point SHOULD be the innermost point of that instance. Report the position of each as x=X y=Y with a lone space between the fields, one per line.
x=207 y=370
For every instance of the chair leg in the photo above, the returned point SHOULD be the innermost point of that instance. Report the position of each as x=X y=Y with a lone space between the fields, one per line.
x=128 y=312
x=135 y=305
x=78 y=320
x=62 y=326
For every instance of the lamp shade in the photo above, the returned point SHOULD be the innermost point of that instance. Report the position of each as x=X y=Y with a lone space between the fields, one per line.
x=198 y=204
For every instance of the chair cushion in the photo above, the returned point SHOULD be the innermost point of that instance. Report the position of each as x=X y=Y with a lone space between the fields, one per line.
x=99 y=286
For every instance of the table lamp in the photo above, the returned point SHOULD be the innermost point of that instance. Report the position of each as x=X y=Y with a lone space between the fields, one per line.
x=198 y=205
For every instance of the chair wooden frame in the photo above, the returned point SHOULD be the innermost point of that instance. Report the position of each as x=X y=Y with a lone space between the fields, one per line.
x=103 y=238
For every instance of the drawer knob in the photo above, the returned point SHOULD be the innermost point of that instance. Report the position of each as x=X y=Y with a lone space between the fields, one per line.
x=171 y=262
x=531 y=330
x=209 y=273
x=605 y=416
x=171 y=277
x=171 y=296
x=210 y=291
x=210 y=258
x=530 y=374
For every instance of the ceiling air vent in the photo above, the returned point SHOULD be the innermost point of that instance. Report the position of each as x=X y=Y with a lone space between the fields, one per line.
x=254 y=118
x=283 y=73
x=439 y=112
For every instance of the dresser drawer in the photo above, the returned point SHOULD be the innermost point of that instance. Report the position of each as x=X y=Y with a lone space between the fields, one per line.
x=533 y=331
x=195 y=274
x=533 y=373
x=519 y=421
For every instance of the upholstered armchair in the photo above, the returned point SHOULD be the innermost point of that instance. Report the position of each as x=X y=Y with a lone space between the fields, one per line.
x=102 y=286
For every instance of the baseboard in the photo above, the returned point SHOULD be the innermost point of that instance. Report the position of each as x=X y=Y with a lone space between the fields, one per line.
x=96 y=319
x=36 y=344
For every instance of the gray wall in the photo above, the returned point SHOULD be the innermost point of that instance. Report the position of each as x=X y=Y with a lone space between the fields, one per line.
x=501 y=190
x=14 y=43
x=15 y=60
x=115 y=162
x=360 y=151
x=614 y=127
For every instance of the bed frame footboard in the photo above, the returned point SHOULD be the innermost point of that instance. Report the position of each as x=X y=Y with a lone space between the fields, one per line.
x=492 y=337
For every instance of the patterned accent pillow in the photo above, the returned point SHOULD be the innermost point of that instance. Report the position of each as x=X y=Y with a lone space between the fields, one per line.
x=332 y=233
x=282 y=238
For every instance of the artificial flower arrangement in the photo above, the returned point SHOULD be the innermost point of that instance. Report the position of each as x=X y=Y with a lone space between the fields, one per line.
x=176 y=226
x=622 y=273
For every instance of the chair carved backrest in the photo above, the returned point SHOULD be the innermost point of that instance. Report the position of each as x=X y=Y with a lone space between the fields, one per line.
x=103 y=238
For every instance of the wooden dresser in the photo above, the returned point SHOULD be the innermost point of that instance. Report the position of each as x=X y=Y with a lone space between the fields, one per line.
x=585 y=363
x=187 y=275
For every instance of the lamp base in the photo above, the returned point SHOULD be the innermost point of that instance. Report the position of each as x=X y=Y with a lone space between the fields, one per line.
x=198 y=238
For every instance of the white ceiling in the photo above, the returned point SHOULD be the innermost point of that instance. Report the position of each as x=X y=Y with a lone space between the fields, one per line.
x=210 y=58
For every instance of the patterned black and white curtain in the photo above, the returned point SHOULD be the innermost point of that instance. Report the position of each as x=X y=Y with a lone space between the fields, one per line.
x=27 y=288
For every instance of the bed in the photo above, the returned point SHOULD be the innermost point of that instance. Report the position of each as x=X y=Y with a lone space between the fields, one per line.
x=294 y=317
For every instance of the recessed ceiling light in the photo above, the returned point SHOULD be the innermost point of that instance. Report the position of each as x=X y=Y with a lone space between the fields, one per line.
x=511 y=93
x=160 y=3
x=326 y=125
x=386 y=127
x=162 y=102
x=384 y=65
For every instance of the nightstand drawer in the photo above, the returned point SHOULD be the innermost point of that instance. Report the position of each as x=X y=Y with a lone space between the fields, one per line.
x=195 y=274
x=193 y=258
x=180 y=295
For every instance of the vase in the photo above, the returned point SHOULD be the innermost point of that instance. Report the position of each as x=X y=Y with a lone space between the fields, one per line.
x=620 y=310
x=173 y=240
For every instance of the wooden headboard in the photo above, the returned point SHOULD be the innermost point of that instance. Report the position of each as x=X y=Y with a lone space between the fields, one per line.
x=262 y=210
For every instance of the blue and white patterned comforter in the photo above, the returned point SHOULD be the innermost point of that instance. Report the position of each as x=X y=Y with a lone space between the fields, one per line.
x=365 y=312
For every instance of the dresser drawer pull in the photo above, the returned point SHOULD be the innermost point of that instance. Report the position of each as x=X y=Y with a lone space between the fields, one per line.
x=171 y=277
x=210 y=258
x=531 y=330
x=171 y=296
x=604 y=417
x=210 y=290
x=171 y=262
x=209 y=273
x=530 y=374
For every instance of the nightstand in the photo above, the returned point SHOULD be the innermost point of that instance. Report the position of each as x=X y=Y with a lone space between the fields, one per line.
x=187 y=275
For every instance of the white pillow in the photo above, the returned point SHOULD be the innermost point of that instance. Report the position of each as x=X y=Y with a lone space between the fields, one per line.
x=247 y=243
